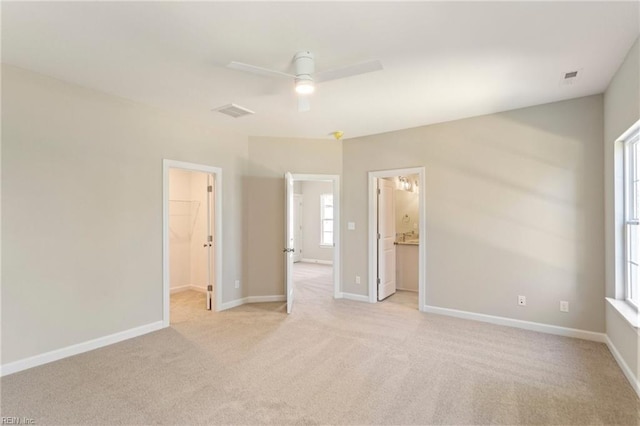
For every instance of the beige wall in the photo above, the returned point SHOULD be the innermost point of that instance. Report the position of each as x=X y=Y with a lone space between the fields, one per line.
x=82 y=210
x=311 y=248
x=621 y=110
x=513 y=207
x=270 y=159
x=625 y=338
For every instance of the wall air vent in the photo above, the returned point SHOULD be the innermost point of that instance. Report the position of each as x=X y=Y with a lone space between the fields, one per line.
x=572 y=74
x=234 y=110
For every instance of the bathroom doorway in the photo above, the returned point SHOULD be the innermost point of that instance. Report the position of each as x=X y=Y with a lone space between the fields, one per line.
x=192 y=240
x=313 y=237
x=396 y=237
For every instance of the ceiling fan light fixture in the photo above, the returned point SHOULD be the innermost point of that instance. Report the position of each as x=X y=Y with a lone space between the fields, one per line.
x=304 y=85
x=305 y=76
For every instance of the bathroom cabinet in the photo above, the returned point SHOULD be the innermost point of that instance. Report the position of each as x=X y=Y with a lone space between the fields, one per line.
x=407 y=266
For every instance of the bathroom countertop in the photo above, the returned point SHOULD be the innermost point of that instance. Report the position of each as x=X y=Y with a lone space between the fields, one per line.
x=407 y=243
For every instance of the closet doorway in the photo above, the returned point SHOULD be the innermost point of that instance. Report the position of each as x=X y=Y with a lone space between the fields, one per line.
x=192 y=243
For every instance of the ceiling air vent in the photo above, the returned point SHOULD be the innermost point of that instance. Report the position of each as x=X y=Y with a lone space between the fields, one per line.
x=571 y=77
x=234 y=110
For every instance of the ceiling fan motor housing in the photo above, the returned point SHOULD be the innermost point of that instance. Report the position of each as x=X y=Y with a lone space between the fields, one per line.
x=304 y=65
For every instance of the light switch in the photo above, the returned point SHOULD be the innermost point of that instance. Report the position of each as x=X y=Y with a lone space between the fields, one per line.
x=351 y=226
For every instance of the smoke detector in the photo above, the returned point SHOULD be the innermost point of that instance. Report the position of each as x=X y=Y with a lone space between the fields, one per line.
x=234 y=110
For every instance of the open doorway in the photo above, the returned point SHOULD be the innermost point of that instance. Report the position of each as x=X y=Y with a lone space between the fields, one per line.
x=312 y=251
x=396 y=237
x=192 y=240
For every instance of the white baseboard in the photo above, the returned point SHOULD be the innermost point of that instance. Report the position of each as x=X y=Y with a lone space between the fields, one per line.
x=55 y=355
x=322 y=262
x=253 y=299
x=351 y=296
x=263 y=299
x=233 y=304
x=187 y=287
x=628 y=373
x=179 y=289
x=526 y=325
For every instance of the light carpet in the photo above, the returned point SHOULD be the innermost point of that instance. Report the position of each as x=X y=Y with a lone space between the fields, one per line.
x=329 y=362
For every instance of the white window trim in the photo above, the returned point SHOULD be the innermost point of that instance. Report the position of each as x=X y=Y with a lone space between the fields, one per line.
x=630 y=164
x=632 y=134
x=322 y=244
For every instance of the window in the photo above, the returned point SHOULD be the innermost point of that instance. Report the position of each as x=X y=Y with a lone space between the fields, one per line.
x=632 y=216
x=326 y=220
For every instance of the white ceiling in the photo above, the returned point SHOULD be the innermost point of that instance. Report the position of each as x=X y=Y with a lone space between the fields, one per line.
x=442 y=60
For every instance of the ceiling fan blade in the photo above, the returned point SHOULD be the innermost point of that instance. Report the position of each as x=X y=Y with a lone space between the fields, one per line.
x=348 y=71
x=239 y=66
x=304 y=104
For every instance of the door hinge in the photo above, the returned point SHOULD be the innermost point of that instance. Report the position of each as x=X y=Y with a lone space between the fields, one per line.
x=210 y=238
x=378 y=235
x=378 y=191
x=210 y=188
x=209 y=288
x=378 y=281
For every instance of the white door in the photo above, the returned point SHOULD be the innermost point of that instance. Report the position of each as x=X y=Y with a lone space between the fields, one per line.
x=386 y=239
x=209 y=243
x=297 y=227
x=288 y=239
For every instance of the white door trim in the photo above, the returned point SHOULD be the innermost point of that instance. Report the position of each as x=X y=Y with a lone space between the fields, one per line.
x=335 y=180
x=217 y=237
x=422 y=226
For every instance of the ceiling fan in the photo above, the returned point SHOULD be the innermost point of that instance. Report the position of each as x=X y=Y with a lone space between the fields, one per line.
x=305 y=76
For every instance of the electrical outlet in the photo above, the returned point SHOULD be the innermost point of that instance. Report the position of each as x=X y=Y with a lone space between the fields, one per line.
x=357 y=279
x=522 y=301
x=564 y=306
x=237 y=283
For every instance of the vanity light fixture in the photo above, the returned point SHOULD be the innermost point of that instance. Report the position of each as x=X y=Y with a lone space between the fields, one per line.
x=404 y=183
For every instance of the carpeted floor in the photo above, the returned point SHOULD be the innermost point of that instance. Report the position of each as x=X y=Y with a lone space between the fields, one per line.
x=330 y=362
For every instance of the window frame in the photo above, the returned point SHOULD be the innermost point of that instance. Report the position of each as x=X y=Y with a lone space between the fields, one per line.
x=323 y=219
x=631 y=145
